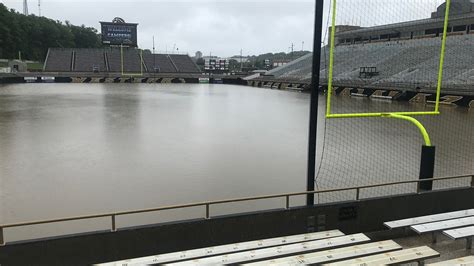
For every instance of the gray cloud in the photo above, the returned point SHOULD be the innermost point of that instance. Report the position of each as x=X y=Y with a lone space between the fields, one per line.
x=220 y=27
x=223 y=27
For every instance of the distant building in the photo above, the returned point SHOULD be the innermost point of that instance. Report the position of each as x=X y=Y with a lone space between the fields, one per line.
x=17 y=66
x=239 y=59
x=280 y=62
x=215 y=64
x=198 y=55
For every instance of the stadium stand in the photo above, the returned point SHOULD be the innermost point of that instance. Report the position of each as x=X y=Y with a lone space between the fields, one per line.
x=298 y=69
x=132 y=61
x=113 y=57
x=406 y=58
x=411 y=62
x=88 y=60
x=110 y=60
x=356 y=249
x=335 y=248
x=184 y=63
x=159 y=63
x=58 y=60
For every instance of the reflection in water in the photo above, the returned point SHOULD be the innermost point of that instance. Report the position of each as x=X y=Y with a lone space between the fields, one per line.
x=71 y=149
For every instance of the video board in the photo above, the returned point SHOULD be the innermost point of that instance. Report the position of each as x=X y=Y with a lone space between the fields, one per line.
x=114 y=33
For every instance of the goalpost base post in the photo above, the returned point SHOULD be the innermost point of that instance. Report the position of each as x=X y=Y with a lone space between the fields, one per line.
x=427 y=167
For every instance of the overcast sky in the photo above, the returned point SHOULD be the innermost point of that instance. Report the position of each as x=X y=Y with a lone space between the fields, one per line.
x=223 y=27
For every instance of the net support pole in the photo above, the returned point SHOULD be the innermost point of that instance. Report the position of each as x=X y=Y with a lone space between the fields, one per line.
x=427 y=167
x=313 y=115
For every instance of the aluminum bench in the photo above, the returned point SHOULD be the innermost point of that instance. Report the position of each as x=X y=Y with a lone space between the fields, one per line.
x=465 y=261
x=419 y=254
x=461 y=233
x=429 y=219
x=281 y=251
x=229 y=248
x=334 y=255
x=442 y=225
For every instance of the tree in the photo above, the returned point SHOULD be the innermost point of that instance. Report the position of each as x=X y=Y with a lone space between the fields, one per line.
x=200 y=61
x=32 y=35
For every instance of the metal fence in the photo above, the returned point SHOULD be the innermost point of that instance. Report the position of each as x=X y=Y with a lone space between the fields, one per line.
x=208 y=204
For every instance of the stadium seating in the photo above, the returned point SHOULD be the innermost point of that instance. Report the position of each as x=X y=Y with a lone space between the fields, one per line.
x=184 y=63
x=110 y=60
x=113 y=57
x=131 y=60
x=160 y=62
x=58 y=60
x=88 y=59
x=411 y=63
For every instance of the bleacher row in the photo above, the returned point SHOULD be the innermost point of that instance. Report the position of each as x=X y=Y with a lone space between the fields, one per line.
x=397 y=62
x=110 y=60
x=329 y=247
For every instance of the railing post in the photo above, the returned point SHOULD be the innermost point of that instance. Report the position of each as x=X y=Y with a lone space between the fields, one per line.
x=472 y=181
x=418 y=187
x=208 y=216
x=114 y=228
x=287 y=202
x=357 y=193
x=2 y=241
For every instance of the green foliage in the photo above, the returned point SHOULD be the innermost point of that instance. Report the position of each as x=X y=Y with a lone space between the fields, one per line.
x=33 y=35
x=200 y=62
x=35 y=66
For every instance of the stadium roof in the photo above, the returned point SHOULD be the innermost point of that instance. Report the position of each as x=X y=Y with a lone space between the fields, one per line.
x=415 y=25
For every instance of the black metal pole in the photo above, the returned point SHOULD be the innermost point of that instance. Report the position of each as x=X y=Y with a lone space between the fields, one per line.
x=427 y=167
x=313 y=114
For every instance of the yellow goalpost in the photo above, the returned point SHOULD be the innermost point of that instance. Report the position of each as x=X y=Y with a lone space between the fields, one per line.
x=408 y=116
x=123 y=68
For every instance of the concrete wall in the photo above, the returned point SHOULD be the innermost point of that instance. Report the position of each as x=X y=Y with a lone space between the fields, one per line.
x=350 y=217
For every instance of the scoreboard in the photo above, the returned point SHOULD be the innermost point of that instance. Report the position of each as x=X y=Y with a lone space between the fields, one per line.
x=216 y=64
x=118 y=32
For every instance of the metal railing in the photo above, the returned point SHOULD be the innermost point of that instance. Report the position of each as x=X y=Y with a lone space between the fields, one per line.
x=208 y=204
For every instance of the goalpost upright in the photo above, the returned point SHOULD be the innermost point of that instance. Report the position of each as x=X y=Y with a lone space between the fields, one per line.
x=428 y=151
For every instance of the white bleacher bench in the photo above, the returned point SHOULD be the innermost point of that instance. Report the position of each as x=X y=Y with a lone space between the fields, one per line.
x=461 y=233
x=429 y=219
x=281 y=251
x=442 y=225
x=465 y=261
x=419 y=254
x=334 y=255
x=229 y=248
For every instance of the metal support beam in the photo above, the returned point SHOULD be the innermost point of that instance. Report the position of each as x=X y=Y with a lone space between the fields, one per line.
x=114 y=226
x=434 y=238
x=313 y=115
x=2 y=240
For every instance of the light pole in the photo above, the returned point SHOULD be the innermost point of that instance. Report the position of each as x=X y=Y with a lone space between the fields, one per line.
x=241 y=62
x=154 y=57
